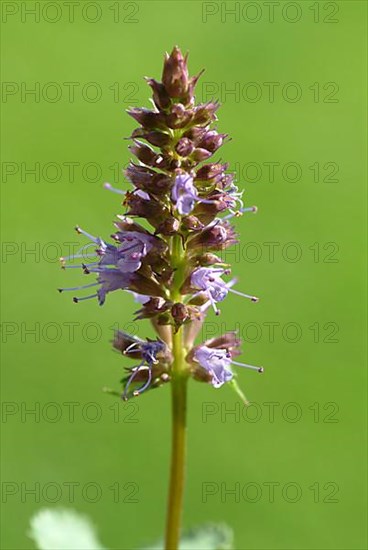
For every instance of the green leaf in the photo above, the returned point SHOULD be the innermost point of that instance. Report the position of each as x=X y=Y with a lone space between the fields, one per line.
x=206 y=537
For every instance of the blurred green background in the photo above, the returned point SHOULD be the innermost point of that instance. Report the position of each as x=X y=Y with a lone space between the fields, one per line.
x=311 y=451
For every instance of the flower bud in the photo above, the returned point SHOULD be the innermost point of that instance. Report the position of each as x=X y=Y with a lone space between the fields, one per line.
x=195 y=134
x=179 y=117
x=127 y=224
x=220 y=236
x=175 y=77
x=225 y=180
x=145 y=154
x=189 y=98
x=148 y=119
x=228 y=341
x=212 y=141
x=161 y=183
x=205 y=114
x=158 y=139
x=168 y=227
x=151 y=209
x=160 y=95
x=140 y=176
x=208 y=259
x=184 y=147
x=212 y=172
x=199 y=154
x=179 y=313
x=206 y=213
x=146 y=286
x=164 y=319
x=151 y=308
x=192 y=223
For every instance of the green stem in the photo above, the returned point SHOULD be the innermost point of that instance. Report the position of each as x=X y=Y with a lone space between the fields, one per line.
x=179 y=397
x=178 y=452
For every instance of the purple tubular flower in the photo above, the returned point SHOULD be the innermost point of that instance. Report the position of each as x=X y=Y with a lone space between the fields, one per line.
x=117 y=263
x=110 y=280
x=129 y=254
x=217 y=363
x=185 y=195
x=208 y=280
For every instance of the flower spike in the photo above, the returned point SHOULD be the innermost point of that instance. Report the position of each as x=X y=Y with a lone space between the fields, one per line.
x=177 y=217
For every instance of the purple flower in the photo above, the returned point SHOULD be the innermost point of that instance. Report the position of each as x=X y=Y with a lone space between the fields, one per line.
x=185 y=195
x=208 y=280
x=151 y=352
x=117 y=263
x=109 y=280
x=127 y=257
x=217 y=363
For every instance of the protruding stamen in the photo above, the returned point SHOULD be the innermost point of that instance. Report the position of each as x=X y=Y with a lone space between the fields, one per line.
x=124 y=396
x=241 y=211
x=77 y=287
x=213 y=304
x=76 y=299
x=205 y=201
x=258 y=369
x=203 y=308
x=64 y=259
x=109 y=187
x=81 y=231
x=101 y=270
x=131 y=347
x=220 y=270
x=153 y=359
x=251 y=298
x=67 y=258
x=231 y=283
x=133 y=375
x=80 y=266
x=145 y=386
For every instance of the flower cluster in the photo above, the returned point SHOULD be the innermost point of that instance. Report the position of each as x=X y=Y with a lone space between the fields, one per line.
x=173 y=269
